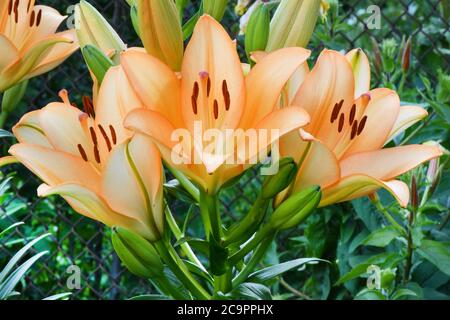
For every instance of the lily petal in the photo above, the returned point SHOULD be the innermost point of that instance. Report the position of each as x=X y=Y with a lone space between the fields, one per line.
x=266 y=81
x=55 y=167
x=9 y=52
x=407 y=117
x=212 y=86
x=386 y=164
x=381 y=112
x=356 y=186
x=29 y=130
x=330 y=83
x=361 y=70
x=92 y=205
x=155 y=84
x=122 y=173
x=56 y=55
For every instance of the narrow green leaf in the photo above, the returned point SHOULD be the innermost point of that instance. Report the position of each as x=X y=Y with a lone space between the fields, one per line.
x=437 y=253
x=274 y=271
x=381 y=237
x=252 y=291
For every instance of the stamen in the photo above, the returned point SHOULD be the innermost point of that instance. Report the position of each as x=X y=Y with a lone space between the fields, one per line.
x=97 y=154
x=341 y=122
x=93 y=136
x=38 y=19
x=32 y=18
x=28 y=6
x=88 y=106
x=354 y=130
x=105 y=136
x=226 y=95
x=195 y=93
x=10 y=7
x=216 y=109
x=64 y=95
x=16 y=11
x=362 y=125
x=336 y=110
x=352 y=114
x=208 y=87
x=113 y=134
x=82 y=152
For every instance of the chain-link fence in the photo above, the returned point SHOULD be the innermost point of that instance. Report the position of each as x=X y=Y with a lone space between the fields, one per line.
x=77 y=241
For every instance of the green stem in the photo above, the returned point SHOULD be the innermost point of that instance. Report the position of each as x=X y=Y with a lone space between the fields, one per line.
x=210 y=209
x=263 y=234
x=3 y=117
x=223 y=283
x=186 y=183
x=170 y=257
x=179 y=235
x=259 y=254
x=409 y=254
x=402 y=84
x=388 y=216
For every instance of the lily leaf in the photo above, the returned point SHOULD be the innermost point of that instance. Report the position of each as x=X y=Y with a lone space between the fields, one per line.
x=381 y=237
x=274 y=271
x=252 y=291
x=437 y=253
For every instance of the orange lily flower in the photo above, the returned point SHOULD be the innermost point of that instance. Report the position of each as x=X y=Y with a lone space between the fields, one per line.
x=93 y=162
x=212 y=90
x=342 y=148
x=29 y=43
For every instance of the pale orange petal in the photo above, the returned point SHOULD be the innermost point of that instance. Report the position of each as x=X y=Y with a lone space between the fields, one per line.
x=386 y=164
x=213 y=88
x=266 y=81
x=55 y=167
x=356 y=186
x=155 y=84
x=29 y=130
x=407 y=117
x=330 y=82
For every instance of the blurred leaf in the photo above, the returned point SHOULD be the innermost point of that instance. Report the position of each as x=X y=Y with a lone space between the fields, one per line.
x=252 y=291
x=437 y=253
x=381 y=237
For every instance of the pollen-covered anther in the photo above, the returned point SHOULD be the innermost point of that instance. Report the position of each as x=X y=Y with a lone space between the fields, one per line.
x=362 y=125
x=354 y=130
x=216 y=109
x=341 y=123
x=336 y=110
x=105 y=137
x=194 y=98
x=226 y=95
x=82 y=152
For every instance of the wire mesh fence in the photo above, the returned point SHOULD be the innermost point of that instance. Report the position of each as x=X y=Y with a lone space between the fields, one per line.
x=77 y=241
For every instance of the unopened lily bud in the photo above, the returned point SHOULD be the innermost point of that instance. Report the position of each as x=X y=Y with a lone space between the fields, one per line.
x=137 y=254
x=97 y=61
x=161 y=32
x=414 y=193
x=434 y=174
x=276 y=183
x=387 y=278
x=244 y=20
x=93 y=29
x=378 y=59
x=135 y=19
x=406 y=56
x=258 y=29
x=296 y=208
x=241 y=7
x=215 y=8
x=293 y=24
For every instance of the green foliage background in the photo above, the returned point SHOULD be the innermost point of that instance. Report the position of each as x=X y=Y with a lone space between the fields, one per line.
x=351 y=236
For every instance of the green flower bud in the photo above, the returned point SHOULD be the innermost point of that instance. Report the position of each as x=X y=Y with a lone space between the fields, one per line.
x=293 y=24
x=215 y=8
x=296 y=208
x=137 y=254
x=387 y=278
x=97 y=61
x=276 y=183
x=93 y=29
x=258 y=29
